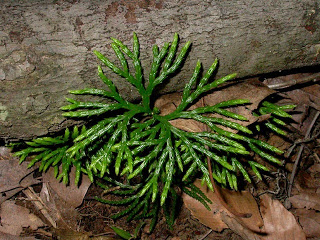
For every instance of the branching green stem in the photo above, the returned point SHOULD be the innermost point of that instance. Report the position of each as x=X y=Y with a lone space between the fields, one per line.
x=138 y=142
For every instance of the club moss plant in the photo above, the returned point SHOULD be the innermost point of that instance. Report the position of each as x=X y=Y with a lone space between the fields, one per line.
x=132 y=146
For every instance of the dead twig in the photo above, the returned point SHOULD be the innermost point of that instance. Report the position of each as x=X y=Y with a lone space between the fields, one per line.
x=312 y=78
x=301 y=141
x=316 y=157
x=39 y=205
x=278 y=193
x=110 y=190
x=298 y=157
x=205 y=235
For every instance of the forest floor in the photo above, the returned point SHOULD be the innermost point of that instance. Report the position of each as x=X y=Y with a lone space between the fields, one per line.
x=285 y=205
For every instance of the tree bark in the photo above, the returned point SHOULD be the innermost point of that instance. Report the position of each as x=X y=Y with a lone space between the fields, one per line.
x=46 y=47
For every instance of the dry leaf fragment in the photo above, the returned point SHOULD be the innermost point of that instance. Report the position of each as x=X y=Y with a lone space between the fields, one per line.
x=241 y=230
x=306 y=200
x=279 y=223
x=309 y=182
x=242 y=202
x=315 y=168
x=64 y=215
x=70 y=193
x=304 y=98
x=309 y=96
x=39 y=205
x=14 y=218
x=13 y=176
x=310 y=222
x=211 y=219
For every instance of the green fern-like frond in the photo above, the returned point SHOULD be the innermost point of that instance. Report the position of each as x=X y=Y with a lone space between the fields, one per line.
x=52 y=152
x=138 y=207
x=278 y=116
x=133 y=146
x=137 y=142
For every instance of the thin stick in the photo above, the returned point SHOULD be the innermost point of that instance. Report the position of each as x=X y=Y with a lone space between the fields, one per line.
x=312 y=78
x=316 y=157
x=205 y=235
x=39 y=205
x=297 y=159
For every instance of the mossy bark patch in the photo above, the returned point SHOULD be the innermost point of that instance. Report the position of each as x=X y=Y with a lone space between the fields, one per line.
x=3 y=112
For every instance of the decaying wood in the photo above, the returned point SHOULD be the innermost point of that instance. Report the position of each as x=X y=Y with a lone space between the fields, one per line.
x=46 y=46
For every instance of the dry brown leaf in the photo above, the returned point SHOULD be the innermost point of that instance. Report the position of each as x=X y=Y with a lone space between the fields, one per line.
x=279 y=223
x=304 y=119
x=13 y=176
x=315 y=168
x=310 y=222
x=241 y=230
x=242 y=202
x=306 y=200
x=211 y=219
x=309 y=96
x=304 y=98
x=14 y=218
x=70 y=193
x=308 y=181
x=188 y=125
x=64 y=215
x=34 y=198
x=279 y=142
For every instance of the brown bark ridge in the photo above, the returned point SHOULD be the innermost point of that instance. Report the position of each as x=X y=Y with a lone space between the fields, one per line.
x=46 y=46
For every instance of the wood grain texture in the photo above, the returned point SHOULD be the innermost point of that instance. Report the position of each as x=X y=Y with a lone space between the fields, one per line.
x=46 y=47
